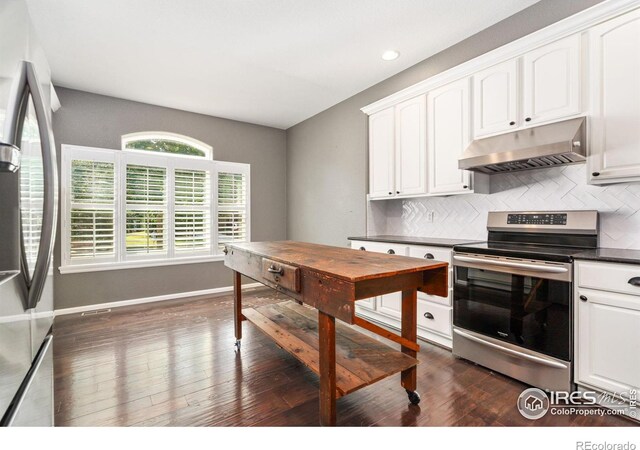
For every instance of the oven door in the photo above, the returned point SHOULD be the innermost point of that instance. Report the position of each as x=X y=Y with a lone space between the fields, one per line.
x=524 y=302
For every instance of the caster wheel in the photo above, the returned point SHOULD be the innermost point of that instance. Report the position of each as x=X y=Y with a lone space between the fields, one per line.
x=414 y=397
x=238 y=344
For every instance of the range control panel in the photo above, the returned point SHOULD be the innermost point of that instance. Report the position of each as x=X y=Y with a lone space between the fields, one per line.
x=537 y=219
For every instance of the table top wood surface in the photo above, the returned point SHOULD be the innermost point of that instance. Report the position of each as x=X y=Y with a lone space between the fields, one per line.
x=343 y=263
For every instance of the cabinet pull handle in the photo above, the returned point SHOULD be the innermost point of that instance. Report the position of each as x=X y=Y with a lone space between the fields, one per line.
x=429 y=256
x=275 y=270
x=391 y=251
x=429 y=316
x=635 y=281
x=397 y=192
x=362 y=248
x=512 y=123
x=595 y=174
x=528 y=119
x=390 y=193
x=465 y=187
x=583 y=298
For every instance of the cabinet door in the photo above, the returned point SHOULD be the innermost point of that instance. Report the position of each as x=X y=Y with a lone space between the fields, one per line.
x=411 y=147
x=495 y=99
x=551 y=81
x=615 y=92
x=381 y=153
x=447 y=137
x=390 y=304
x=367 y=303
x=608 y=340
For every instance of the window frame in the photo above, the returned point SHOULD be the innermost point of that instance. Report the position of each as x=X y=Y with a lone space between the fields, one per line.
x=121 y=159
x=164 y=135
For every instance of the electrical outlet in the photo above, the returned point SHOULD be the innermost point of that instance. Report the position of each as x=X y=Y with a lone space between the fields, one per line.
x=430 y=216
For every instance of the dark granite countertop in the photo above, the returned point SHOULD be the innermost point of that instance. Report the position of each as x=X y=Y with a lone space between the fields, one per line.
x=436 y=242
x=617 y=255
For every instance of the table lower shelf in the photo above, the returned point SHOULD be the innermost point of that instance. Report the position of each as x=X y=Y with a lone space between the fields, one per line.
x=360 y=359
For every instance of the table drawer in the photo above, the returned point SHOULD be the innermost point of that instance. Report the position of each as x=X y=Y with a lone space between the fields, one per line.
x=623 y=278
x=436 y=318
x=284 y=275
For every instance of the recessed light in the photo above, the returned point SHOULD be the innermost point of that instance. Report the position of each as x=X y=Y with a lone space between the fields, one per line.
x=390 y=55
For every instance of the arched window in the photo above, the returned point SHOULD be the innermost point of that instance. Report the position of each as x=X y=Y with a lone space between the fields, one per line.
x=167 y=143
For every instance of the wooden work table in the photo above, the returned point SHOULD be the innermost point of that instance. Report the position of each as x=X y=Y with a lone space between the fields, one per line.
x=331 y=279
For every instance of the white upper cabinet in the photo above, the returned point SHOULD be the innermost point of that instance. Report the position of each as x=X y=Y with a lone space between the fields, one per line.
x=614 y=49
x=382 y=153
x=448 y=135
x=398 y=150
x=411 y=153
x=551 y=81
x=495 y=99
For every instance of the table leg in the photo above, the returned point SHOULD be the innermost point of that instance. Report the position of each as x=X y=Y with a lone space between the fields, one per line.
x=409 y=331
x=237 y=306
x=327 y=347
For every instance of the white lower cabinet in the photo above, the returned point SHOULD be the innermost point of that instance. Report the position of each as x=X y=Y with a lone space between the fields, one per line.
x=434 y=313
x=607 y=327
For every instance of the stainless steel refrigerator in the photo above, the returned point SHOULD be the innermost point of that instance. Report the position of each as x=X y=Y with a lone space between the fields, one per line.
x=28 y=215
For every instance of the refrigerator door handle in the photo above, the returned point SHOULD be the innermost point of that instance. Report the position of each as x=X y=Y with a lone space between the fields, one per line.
x=50 y=207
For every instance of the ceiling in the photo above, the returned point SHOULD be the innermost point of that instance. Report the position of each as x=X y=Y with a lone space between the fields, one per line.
x=270 y=62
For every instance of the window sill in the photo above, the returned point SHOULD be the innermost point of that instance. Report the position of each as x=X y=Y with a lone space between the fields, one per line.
x=101 y=267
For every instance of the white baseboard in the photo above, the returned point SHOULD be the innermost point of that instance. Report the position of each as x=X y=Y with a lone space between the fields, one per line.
x=157 y=298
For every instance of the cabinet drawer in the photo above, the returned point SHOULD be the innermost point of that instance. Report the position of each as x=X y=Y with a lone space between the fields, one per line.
x=609 y=277
x=437 y=253
x=380 y=247
x=436 y=318
x=445 y=301
x=284 y=275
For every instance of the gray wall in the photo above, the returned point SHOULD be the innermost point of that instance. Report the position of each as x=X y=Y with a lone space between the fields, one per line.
x=99 y=121
x=327 y=154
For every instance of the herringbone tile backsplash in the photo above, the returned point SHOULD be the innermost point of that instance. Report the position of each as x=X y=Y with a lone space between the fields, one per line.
x=558 y=188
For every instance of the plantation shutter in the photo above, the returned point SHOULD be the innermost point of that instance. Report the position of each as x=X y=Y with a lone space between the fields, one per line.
x=127 y=209
x=92 y=210
x=146 y=210
x=233 y=204
x=192 y=211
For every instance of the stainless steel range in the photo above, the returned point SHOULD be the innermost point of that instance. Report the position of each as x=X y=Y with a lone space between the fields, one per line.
x=512 y=307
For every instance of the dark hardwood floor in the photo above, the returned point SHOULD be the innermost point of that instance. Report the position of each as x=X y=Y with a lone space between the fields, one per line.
x=173 y=363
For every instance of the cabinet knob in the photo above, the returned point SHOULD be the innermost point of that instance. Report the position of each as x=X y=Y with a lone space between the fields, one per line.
x=635 y=281
x=583 y=298
x=362 y=248
x=528 y=119
x=391 y=252
x=465 y=187
x=390 y=193
x=596 y=174
x=429 y=316
x=397 y=192
x=429 y=256
x=512 y=123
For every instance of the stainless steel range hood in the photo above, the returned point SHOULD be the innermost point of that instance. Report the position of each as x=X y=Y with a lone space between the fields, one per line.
x=533 y=148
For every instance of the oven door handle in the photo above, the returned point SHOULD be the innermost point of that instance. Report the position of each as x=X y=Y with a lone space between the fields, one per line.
x=515 y=265
x=516 y=353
